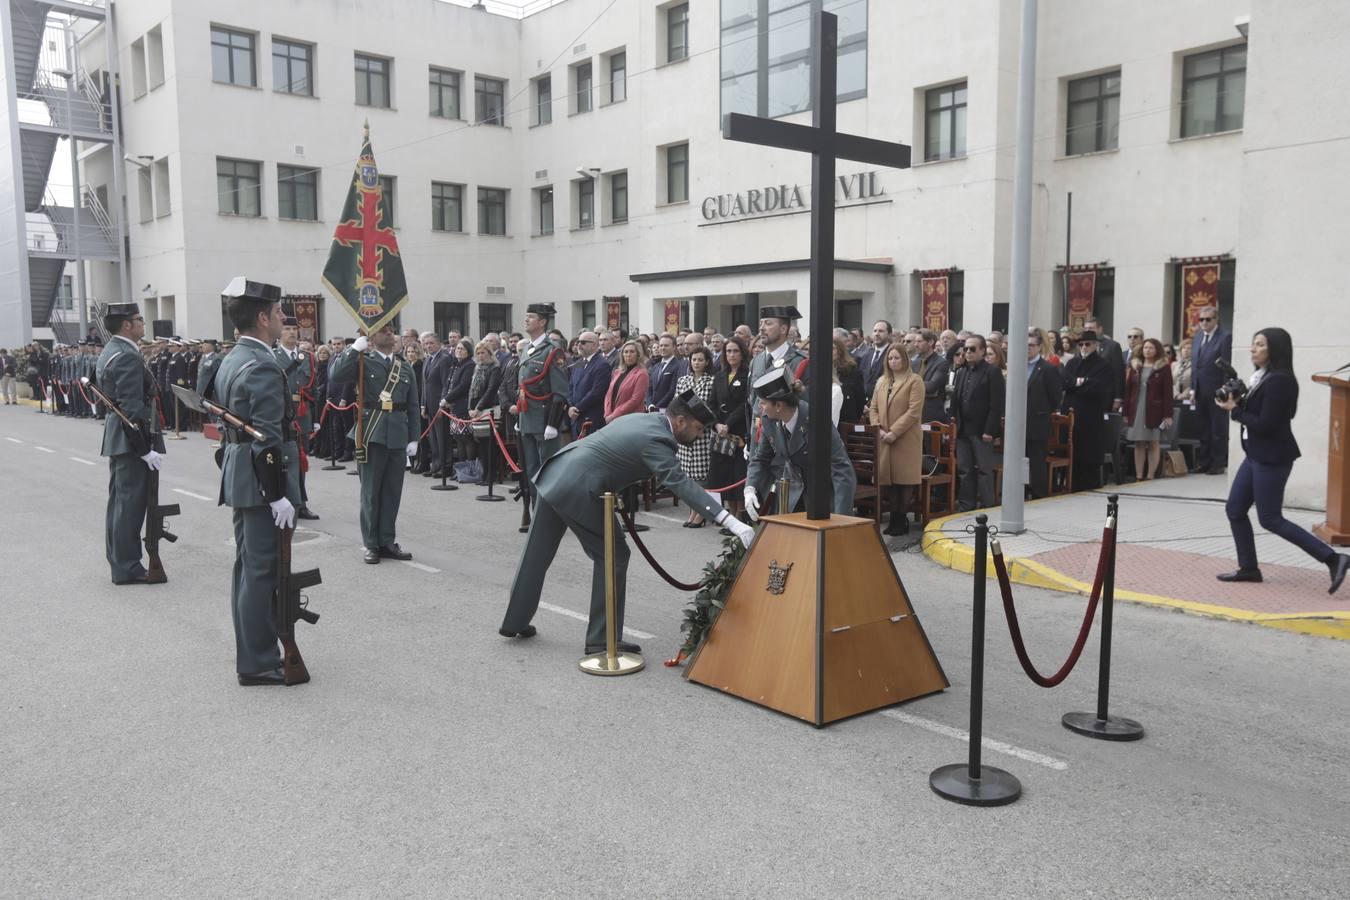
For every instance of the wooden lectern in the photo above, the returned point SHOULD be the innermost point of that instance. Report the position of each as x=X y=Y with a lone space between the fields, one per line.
x=1336 y=529
x=818 y=625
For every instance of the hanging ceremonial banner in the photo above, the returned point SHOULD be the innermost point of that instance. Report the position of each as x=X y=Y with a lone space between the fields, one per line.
x=306 y=312
x=1199 y=289
x=614 y=312
x=364 y=271
x=1082 y=292
x=935 y=307
x=673 y=316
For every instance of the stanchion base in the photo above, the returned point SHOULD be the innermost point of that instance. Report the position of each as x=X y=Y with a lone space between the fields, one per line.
x=332 y=468
x=624 y=664
x=1112 y=728
x=994 y=787
x=445 y=487
x=174 y=437
x=490 y=498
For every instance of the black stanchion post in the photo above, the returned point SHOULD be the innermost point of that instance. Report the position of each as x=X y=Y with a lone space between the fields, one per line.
x=331 y=424
x=445 y=464
x=491 y=471
x=971 y=782
x=1101 y=724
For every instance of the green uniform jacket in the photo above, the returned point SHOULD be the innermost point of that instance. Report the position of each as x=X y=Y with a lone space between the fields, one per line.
x=250 y=384
x=123 y=376
x=553 y=388
x=779 y=455
x=394 y=429
x=299 y=377
x=793 y=359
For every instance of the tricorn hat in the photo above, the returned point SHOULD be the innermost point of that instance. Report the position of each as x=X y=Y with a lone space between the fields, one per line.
x=698 y=408
x=775 y=384
x=290 y=322
x=779 y=312
x=545 y=310
x=240 y=288
x=122 y=309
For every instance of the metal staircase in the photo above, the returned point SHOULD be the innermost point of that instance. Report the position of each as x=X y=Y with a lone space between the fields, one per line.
x=29 y=23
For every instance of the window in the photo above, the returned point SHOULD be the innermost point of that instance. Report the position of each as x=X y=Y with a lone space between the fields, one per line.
x=491 y=211
x=298 y=193
x=372 y=80
x=582 y=74
x=489 y=100
x=618 y=77
x=239 y=187
x=444 y=93
x=543 y=100
x=944 y=133
x=232 y=57
x=447 y=207
x=292 y=67
x=583 y=313
x=585 y=202
x=387 y=185
x=677 y=33
x=138 y=68
x=145 y=183
x=1213 y=89
x=448 y=317
x=677 y=173
x=618 y=197
x=544 y=200
x=154 y=56
x=494 y=317
x=766 y=54
x=956 y=299
x=163 y=204
x=1093 y=120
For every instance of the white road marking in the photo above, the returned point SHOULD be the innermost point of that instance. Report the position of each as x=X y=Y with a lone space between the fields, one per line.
x=44 y=449
x=421 y=567
x=194 y=496
x=676 y=520
x=14 y=440
x=580 y=617
x=85 y=461
x=960 y=734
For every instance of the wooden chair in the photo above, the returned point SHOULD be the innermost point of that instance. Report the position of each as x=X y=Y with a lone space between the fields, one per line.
x=1059 y=454
x=863 y=443
x=939 y=443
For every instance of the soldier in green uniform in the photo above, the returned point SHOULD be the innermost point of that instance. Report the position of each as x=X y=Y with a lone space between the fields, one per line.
x=299 y=368
x=132 y=453
x=628 y=449
x=774 y=324
x=258 y=479
x=542 y=398
x=389 y=428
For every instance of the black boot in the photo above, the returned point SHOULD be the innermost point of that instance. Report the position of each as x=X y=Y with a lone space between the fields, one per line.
x=899 y=515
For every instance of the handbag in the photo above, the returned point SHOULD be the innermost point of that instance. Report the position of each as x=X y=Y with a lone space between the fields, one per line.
x=468 y=471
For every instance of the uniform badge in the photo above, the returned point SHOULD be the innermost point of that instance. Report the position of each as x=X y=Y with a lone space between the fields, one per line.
x=386 y=401
x=777 y=577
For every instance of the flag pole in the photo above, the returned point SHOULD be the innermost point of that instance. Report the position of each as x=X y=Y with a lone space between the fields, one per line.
x=360 y=403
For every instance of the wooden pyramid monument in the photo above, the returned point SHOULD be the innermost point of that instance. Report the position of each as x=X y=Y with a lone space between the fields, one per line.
x=818 y=625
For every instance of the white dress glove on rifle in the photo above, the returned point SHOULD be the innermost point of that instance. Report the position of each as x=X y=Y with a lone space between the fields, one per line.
x=741 y=530
x=752 y=503
x=283 y=514
x=154 y=460
x=360 y=344
x=550 y=432
x=411 y=449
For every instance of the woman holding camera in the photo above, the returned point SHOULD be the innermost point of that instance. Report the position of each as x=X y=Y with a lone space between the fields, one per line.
x=1265 y=414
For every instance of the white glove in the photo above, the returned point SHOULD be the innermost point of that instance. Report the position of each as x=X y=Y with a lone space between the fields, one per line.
x=411 y=449
x=283 y=514
x=550 y=432
x=154 y=460
x=752 y=503
x=443 y=404
x=315 y=429
x=517 y=428
x=360 y=344
x=741 y=530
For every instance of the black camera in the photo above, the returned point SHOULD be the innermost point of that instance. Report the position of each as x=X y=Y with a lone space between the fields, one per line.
x=1233 y=387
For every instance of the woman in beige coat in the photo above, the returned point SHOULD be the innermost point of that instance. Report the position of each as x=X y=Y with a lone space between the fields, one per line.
x=897 y=408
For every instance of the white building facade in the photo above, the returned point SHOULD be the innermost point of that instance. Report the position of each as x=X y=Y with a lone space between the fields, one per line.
x=575 y=155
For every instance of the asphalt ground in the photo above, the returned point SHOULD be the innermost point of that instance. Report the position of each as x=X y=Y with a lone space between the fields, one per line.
x=430 y=757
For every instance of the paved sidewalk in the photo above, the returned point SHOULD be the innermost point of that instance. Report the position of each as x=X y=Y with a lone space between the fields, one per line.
x=1173 y=539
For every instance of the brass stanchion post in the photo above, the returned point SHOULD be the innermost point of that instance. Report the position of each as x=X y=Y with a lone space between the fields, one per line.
x=612 y=661
x=784 y=492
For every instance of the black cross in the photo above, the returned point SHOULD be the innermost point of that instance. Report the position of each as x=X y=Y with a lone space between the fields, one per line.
x=825 y=145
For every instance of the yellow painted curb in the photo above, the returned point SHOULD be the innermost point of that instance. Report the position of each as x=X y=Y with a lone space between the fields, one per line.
x=953 y=554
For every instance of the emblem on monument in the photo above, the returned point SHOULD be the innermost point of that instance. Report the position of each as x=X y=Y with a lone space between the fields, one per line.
x=777 y=577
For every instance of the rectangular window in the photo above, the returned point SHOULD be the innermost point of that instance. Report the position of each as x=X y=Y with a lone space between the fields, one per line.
x=618 y=77
x=387 y=188
x=154 y=56
x=677 y=33
x=239 y=187
x=586 y=203
x=956 y=299
x=677 y=173
x=944 y=133
x=138 y=69
x=494 y=317
x=583 y=77
x=372 y=80
x=1213 y=91
x=146 y=184
x=491 y=211
x=489 y=98
x=232 y=57
x=447 y=207
x=766 y=54
x=618 y=197
x=444 y=93
x=292 y=67
x=448 y=317
x=163 y=202
x=1092 y=123
x=298 y=193
x=543 y=100
x=545 y=200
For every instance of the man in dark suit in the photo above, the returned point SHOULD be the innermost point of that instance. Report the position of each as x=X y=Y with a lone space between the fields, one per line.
x=1114 y=355
x=977 y=407
x=1209 y=346
x=664 y=371
x=1045 y=391
x=1088 y=384
x=434 y=372
x=872 y=357
x=933 y=369
x=590 y=380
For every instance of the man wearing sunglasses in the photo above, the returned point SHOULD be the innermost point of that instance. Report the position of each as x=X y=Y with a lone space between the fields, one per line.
x=1210 y=345
x=977 y=407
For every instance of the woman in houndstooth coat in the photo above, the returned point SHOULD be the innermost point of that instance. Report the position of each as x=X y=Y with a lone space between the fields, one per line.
x=694 y=458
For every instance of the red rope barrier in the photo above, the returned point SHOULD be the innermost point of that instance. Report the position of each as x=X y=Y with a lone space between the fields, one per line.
x=646 y=554
x=496 y=432
x=1015 y=629
x=329 y=404
x=730 y=487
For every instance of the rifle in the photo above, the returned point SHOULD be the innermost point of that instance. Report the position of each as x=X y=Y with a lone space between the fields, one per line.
x=196 y=402
x=287 y=607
